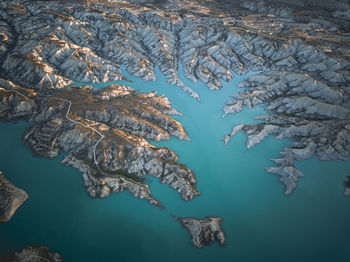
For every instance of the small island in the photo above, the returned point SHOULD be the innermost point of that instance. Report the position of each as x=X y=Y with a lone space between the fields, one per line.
x=204 y=231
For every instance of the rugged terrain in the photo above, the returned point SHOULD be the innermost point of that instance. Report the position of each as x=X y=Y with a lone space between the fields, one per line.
x=315 y=115
x=299 y=50
x=103 y=131
x=204 y=231
x=11 y=198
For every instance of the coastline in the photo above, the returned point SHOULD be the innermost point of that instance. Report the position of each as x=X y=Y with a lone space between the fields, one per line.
x=302 y=75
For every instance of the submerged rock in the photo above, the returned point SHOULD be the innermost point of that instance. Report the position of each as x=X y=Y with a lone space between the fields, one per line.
x=204 y=231
x=34 y=253
x=347 y=187
x=11 y=198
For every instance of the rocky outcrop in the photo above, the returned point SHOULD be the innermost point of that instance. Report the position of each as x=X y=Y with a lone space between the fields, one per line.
x=34 y=253
x=104 y=133
x=204 y=231
x=347 y=187
x=11 y=198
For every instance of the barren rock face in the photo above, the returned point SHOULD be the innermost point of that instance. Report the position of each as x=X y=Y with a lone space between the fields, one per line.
x=51 y=46
x=11 y=198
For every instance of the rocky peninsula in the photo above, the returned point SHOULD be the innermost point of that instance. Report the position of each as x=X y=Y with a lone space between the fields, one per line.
x=103 y=131
x=11 y=198
x=315 y=115
x=204 y=231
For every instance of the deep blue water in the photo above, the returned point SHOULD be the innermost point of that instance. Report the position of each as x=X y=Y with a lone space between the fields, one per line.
x=261 y=224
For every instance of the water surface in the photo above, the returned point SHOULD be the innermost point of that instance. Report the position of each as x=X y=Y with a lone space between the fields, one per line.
x=260 y=223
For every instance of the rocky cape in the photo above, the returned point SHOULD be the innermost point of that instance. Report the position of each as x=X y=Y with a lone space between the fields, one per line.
x=300 y=51
x=204 y=231
x=11 y=198
x=104 y=132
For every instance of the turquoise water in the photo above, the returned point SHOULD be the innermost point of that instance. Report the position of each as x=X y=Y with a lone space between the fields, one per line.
x=260 y=223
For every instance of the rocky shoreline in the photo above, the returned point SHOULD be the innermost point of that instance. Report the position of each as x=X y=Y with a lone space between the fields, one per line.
x=11 y=198
x=303 y=55
x=314 y=115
